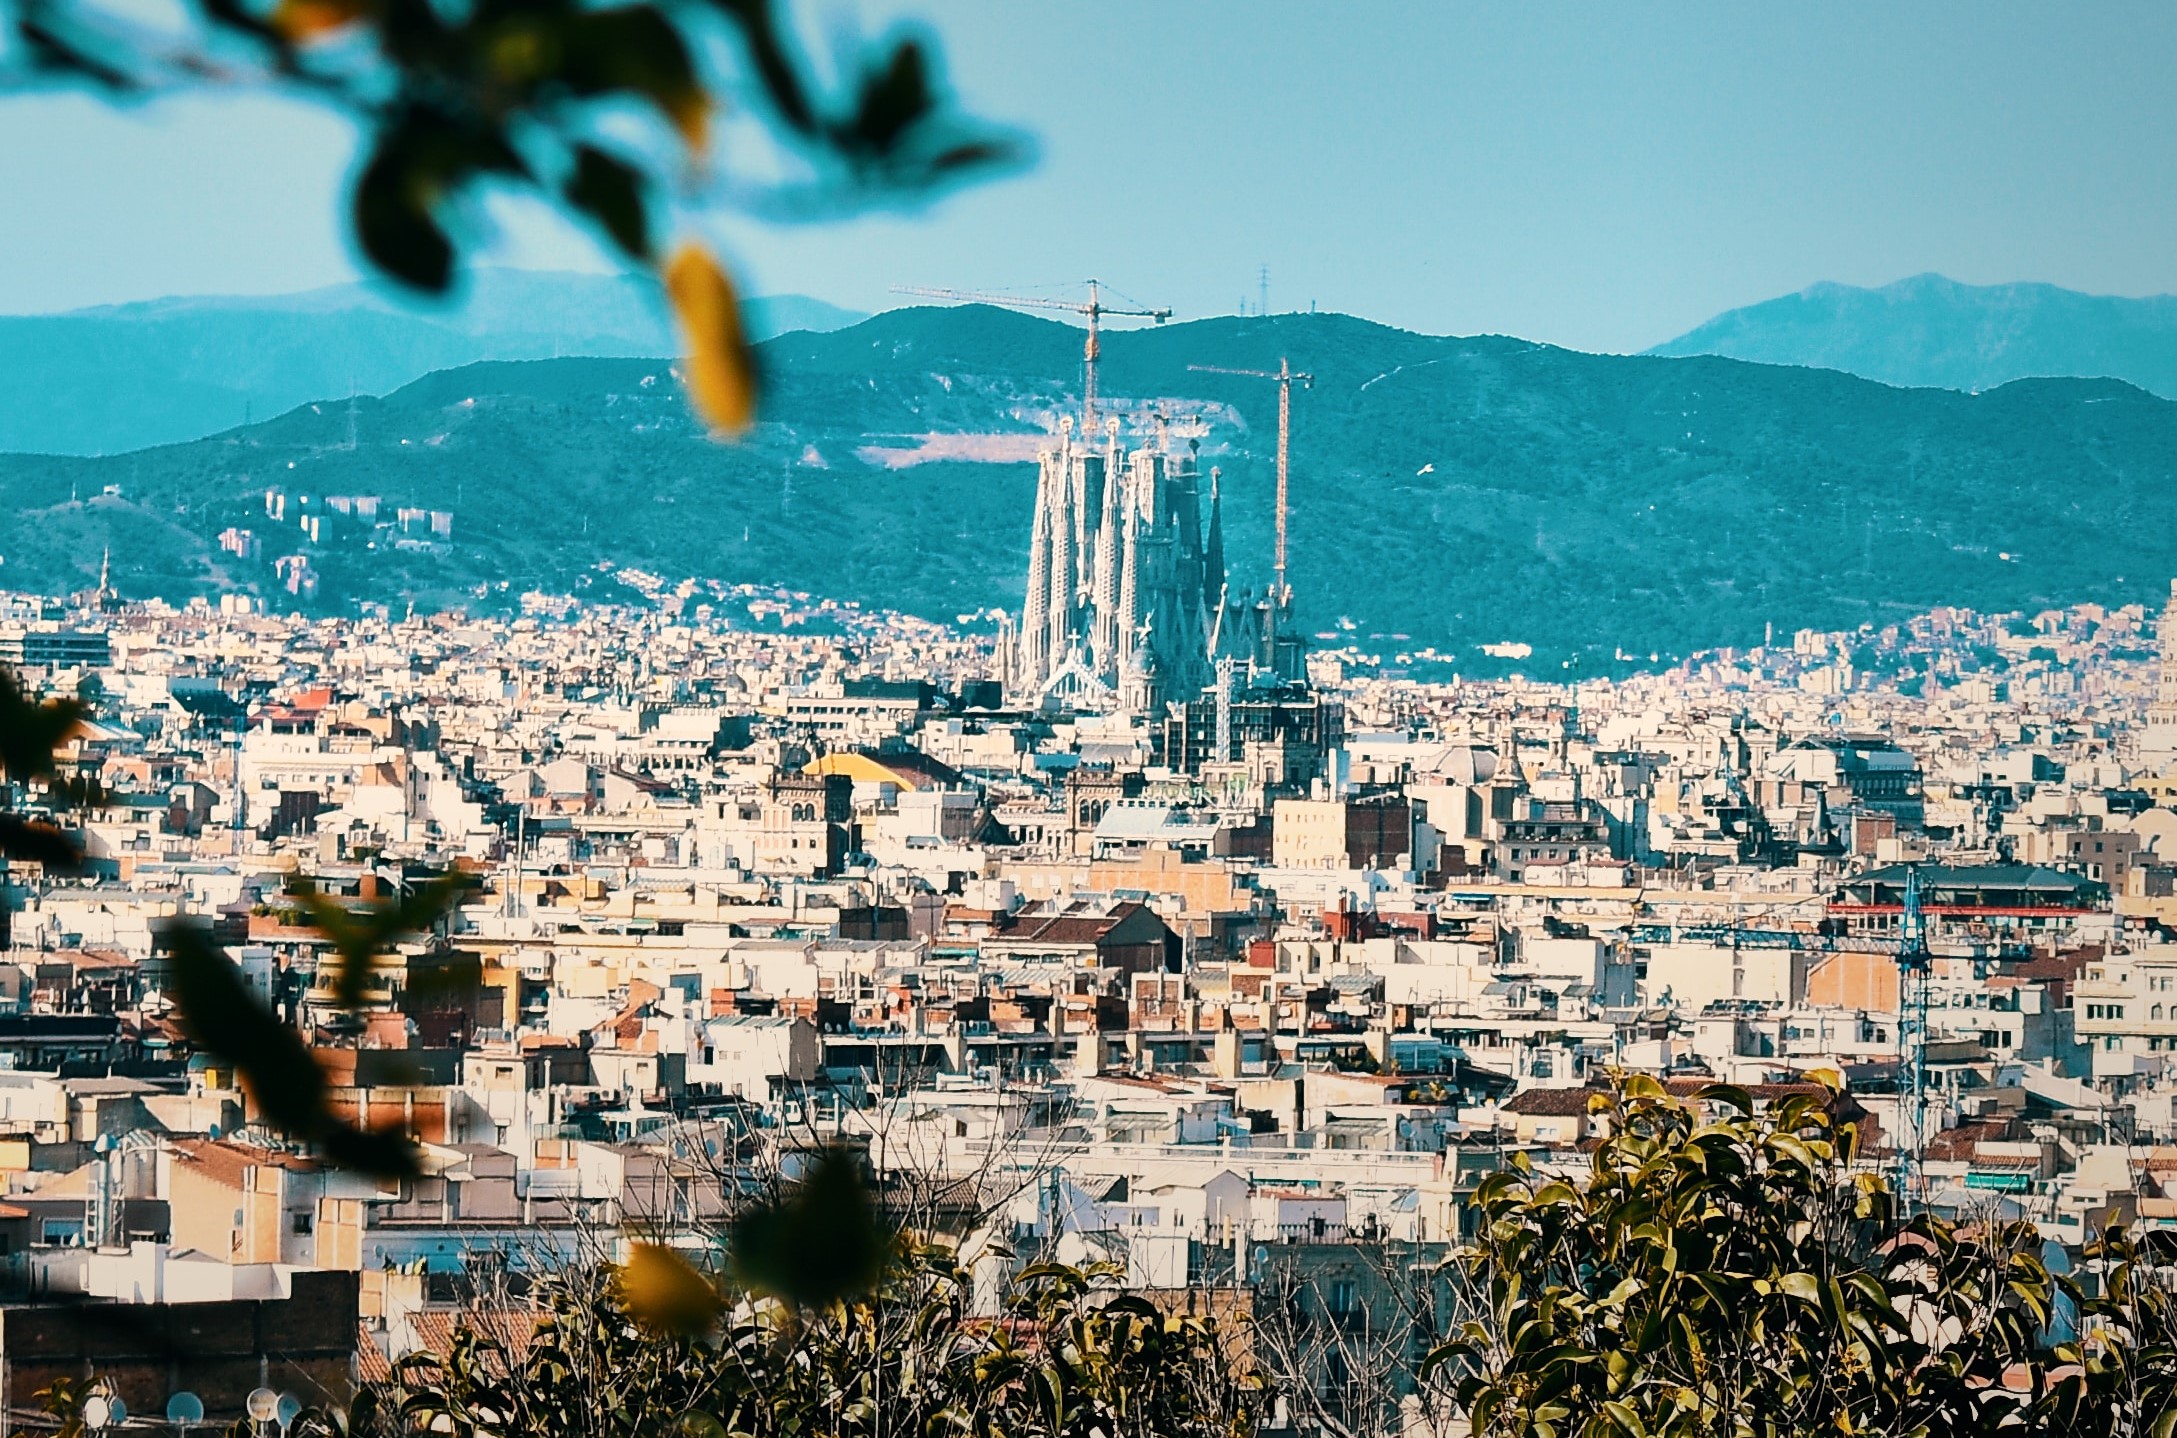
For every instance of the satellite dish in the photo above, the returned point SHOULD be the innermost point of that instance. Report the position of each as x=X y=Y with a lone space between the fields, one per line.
x=184 y=1408
x=288 y=1407
x=261 y=1405
x=98 y=1411
x=117 y=1412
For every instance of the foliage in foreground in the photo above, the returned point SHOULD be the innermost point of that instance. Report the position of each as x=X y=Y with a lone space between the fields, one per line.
x=1717 y=1270
x=1072 y=1356
x=604 y=111
x=1734 y=1274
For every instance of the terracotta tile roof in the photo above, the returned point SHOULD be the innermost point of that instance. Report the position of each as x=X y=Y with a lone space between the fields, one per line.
x=371 y=1364
x=224 y=1161
x=514 y=1329
x=1551 y=1102
x=1957 y=1144
x=2061 y=967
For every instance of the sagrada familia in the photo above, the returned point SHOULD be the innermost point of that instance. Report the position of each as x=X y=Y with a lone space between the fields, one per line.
x=1127 y=603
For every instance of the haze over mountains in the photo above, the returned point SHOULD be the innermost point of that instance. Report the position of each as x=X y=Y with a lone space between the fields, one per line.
x=1929 y=330
x=1447 y=492
x=121 y=377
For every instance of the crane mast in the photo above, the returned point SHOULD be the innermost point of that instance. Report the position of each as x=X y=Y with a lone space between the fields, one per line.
x=1915 y=981
x=1093 y=310
x=1285 y=376
x=1915 y=970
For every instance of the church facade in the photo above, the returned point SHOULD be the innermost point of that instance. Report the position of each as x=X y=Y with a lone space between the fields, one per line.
x=1126 y=576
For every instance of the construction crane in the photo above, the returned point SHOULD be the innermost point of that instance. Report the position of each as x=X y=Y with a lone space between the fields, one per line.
x=1093 y=308
x=1915 y=981
x=1286 y=376
x=1915 y=972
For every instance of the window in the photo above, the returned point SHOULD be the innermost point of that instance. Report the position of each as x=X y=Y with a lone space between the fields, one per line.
x=301 y=1220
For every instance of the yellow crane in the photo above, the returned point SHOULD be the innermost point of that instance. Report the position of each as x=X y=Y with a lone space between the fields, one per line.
x=1286 y=376
x=1093 y=308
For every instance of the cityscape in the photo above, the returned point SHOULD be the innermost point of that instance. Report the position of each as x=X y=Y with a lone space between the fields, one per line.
x=583 y=852
x=1254 y=950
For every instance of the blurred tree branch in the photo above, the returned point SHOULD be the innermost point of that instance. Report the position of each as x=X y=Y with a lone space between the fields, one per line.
x=523 y=93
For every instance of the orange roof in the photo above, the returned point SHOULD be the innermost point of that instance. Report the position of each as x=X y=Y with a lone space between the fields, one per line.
x=371 y=1365
x=224 y=1161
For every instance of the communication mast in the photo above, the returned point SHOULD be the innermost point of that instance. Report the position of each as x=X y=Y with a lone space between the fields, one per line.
x=1094 y=309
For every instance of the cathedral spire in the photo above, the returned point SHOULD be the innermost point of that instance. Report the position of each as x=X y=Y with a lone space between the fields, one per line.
x=1213 y=546
x=1035 y=633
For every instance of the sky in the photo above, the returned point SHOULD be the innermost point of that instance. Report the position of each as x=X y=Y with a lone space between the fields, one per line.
x=1597 y=176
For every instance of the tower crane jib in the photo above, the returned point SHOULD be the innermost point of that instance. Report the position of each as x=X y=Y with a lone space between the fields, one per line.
x=1093 y=309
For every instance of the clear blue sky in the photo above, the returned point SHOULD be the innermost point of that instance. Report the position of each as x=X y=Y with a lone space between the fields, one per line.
x=1596 y=175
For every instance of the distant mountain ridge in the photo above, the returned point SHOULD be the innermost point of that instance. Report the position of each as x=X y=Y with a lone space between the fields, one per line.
x=1447 y=492
x=1936 y=332
x=123 y=377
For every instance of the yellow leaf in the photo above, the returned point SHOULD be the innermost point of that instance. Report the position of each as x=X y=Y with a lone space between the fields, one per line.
x=690 y=114
x=662 y=1292
x=721 y=373
x=302 y=21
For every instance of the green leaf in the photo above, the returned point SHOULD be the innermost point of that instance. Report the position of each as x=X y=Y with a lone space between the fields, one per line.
x=360 y=932
x=220 y=1011
x=394 y=224
x=820 y=1242
x=39 y=842
x=635 y=49
x=1803 y=1286
x=31 y=730
x=424 y=156
x=610 y=191
x=1731 y=1094
x=893 y=101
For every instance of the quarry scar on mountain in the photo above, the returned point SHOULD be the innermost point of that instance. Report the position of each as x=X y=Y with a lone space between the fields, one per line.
x=971 y=448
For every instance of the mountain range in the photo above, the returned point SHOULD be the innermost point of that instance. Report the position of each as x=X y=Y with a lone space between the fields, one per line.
x=1929 y=330
x=122 y=377
x=1447 y=492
